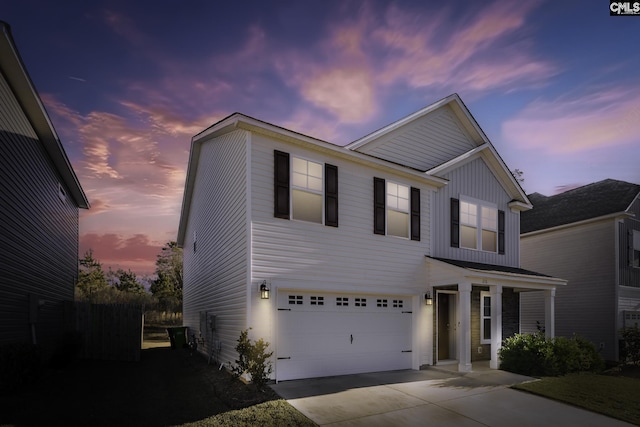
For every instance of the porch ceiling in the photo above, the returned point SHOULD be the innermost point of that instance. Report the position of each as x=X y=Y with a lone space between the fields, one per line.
x=444 y=271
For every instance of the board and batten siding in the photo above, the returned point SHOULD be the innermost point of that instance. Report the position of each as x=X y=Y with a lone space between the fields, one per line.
x=426 y=143
x=474 y=179
x=216 y=273
x=584 y=255
x=38 y=233
x=349 y=258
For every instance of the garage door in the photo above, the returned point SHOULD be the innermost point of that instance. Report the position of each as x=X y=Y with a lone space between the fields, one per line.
x=322 y=334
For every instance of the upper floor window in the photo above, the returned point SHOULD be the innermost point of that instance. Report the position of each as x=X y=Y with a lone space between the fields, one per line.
x=396 y=209
x=305 y=190
x=477 y=225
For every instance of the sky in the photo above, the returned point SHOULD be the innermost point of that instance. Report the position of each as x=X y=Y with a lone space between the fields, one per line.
x=126 y=83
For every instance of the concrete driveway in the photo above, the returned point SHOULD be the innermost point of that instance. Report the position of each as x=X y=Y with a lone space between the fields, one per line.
x=431 y=397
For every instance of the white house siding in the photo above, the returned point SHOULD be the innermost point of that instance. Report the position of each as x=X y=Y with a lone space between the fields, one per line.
x=425 y=143
x=474 y=179
x=216 y=275
x=38 y=232
x=584 y=255
x=349 y=258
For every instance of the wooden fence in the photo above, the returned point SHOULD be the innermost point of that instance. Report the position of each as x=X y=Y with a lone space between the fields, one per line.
x=110 y=332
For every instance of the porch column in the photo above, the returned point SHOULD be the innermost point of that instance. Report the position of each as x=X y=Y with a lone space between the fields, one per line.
x=496 y=324
x=464 y=327
x=550 y=313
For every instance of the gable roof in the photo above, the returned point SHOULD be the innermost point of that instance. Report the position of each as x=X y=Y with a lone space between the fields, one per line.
x=480 y=147
x=594 y=200
x=15 y=73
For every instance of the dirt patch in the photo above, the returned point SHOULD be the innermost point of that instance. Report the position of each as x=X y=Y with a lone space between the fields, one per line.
x=167 y=387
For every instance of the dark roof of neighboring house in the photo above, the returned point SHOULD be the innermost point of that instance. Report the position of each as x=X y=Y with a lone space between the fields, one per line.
x=590 y=201
x=15 y=73
x=489 y=267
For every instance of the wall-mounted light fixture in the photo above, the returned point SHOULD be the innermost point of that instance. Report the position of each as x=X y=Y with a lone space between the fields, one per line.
x=264 y=290
x=427 y=299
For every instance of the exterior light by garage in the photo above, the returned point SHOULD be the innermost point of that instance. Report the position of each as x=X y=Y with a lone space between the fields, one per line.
x=264 y=290
x=427 y=299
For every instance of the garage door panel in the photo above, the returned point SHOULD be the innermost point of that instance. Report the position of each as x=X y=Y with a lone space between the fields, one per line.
x=330 y=339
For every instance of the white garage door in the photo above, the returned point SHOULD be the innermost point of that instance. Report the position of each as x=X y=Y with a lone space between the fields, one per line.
x=322 y=334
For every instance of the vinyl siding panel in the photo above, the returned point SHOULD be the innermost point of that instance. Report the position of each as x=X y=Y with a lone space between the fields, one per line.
x=350 y=258
x=434 y=139
x=584 y=255
x=474 y=179
x=38 y=232
x=216 y=274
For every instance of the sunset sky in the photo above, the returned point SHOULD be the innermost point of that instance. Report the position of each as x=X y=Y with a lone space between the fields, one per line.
x=554 y=84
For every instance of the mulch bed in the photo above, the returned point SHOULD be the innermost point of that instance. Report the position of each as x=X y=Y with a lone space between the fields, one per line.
x=167 y=387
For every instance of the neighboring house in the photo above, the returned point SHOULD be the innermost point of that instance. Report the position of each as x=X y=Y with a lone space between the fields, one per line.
x=396 y=251
x=39 y=200
x=591 y=236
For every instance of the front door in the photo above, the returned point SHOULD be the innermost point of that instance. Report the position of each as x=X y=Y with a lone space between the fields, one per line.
x=446 y=317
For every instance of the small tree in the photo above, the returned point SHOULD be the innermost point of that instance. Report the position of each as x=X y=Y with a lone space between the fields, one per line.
x=91 y=277
x=631 y=345
x=253 y=359
x=128 y=282
x=167 y=287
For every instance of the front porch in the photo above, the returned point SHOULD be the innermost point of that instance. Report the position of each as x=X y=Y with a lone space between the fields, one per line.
x=474 y=309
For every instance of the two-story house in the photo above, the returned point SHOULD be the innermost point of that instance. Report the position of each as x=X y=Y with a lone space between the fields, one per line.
x=591 y=236
x=396 y=251
x=40 y=198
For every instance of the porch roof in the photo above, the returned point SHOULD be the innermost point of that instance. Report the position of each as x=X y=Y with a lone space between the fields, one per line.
x=489 y=273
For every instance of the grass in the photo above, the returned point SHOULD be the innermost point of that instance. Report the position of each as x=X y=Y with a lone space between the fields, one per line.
x=614 y=396
x=274 y=413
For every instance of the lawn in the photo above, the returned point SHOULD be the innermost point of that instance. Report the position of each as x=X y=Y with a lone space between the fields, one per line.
x=612 y=395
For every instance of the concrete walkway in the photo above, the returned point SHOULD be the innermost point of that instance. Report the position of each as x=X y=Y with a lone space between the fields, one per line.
x=432 y=397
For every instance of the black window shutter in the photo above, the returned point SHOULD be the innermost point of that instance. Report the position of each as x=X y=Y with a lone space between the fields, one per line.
x=281 y=184
x=415 y=213
x=501 y=232
x=455 y=223
x=379 y=196
x=330 y=195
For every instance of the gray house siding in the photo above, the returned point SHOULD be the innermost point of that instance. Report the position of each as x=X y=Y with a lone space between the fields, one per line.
x=586 y=306
x=435 y=139
x=38 y=233
x=474 y=179
x=216 y=274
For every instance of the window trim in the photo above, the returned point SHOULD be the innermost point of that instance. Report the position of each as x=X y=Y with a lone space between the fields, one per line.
x=479 y=226
x=380 y=208
x=483 y=295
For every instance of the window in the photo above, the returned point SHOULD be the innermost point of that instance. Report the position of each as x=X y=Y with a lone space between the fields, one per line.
x=305 y=190
x=306 y=194
x=295 y=299
x=485 y=317
x=396 y=209
x=477 y=225
x=635 y=261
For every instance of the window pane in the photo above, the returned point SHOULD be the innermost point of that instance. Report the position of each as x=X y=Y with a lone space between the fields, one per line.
x=469 y=214
x=299 y=180
x=489 y=241
x=486 y=306
x=307 y=206
x=489 y=218
x=315 y=170
x=315 y=183
x=299 y=166
x=487 y=329
x=403 y=192
x=397 y=223
x=468 y=237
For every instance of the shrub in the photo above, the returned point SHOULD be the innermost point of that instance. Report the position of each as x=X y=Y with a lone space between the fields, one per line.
x=630 y=345
x=253 y=359
x=536 y=355
x=20 y=365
